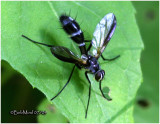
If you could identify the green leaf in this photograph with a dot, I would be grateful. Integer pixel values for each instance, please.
(52, 114)
(39, 21)
(148, 20)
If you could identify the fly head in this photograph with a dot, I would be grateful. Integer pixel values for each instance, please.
(99, 75)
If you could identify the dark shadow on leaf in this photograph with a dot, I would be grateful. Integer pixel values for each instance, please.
(46, 71)
(78, 85)
(49, 38)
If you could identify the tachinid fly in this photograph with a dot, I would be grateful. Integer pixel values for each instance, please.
(89, 57)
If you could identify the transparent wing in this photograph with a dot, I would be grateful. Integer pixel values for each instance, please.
(102, 34)
(66, 55)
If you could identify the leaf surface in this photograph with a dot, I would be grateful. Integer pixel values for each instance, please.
(50, 113)
(39, 21)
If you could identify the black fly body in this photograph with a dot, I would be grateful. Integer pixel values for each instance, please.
(89, 57)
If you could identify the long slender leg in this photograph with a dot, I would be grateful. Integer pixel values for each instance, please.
(89, 92)
(110, 59)
(89, 47)
(65, 84)
(102, 92)
(37, 42)
(87, 40)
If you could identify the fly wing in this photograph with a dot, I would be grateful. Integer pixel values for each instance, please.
(102, 34)
(66, 55)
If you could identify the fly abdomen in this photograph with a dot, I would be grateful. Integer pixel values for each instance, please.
(69, 25)
(73, 29)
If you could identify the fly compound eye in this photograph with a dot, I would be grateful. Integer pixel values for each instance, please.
(103, 72)
(99, 75)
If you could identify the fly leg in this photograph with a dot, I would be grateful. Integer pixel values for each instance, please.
(37, 42)
(87, 40)
(109, 99)
(86, 74)
(65, 84)
(110, 59)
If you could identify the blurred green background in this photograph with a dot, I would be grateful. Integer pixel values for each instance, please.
(17, 92)
(147, 107)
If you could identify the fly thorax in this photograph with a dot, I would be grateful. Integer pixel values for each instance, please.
(84, 57)
(93, 64)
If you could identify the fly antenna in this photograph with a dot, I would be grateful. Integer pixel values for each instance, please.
(37, 42)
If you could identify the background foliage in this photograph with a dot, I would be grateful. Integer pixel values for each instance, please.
(148, 95)
(35, 96)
